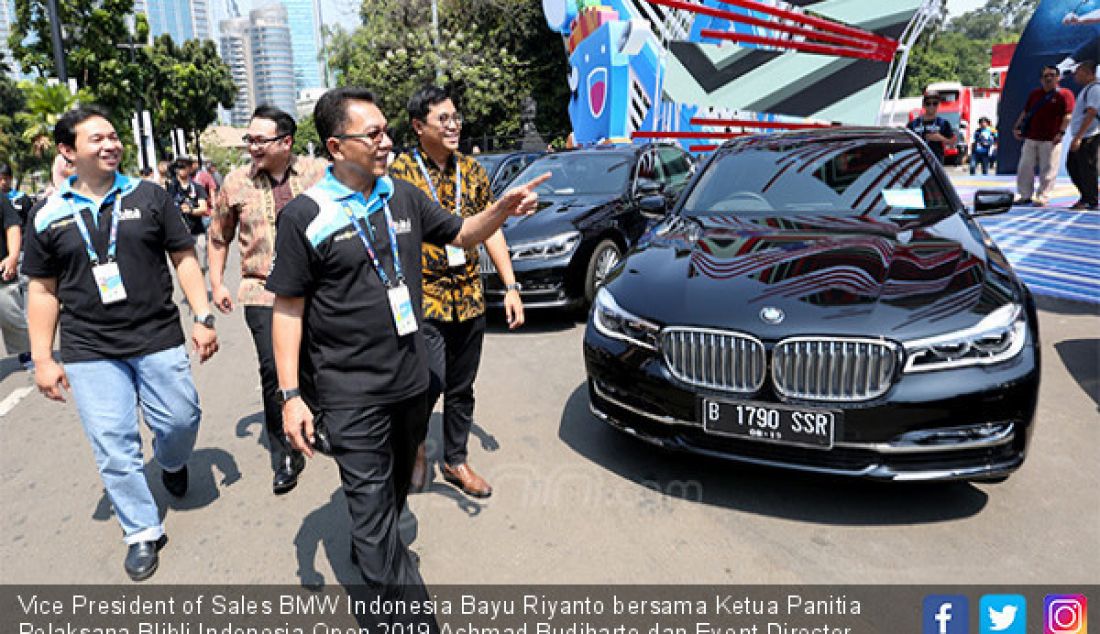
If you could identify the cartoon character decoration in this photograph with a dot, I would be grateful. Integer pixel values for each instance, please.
(690, 69)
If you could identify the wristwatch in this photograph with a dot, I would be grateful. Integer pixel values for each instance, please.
(206, 320)
(286, 395)
(514, 286)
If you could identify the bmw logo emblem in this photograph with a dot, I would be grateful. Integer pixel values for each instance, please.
(772, 315)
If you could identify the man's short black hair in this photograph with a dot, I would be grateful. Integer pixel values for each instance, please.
(1088, 64)
(284, 123)
(146, 172)
(5, 170)
(1049, 67)
(65, 130)
(986, 119)
(423, 100)
(330, 115)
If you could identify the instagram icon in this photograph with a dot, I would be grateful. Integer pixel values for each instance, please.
(1065, 614)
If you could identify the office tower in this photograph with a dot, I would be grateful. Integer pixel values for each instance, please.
(7, 17)
(182, 19)
(304, 17)
(258, 52)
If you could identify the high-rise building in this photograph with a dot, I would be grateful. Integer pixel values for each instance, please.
(182, 19)
(272, 57)
(7, 17)
(305, 39)
(258, 52)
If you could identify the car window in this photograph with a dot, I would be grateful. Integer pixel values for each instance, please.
(675, 167)
(847, 177)
(583, 173)
(489, 162)
(507, 172)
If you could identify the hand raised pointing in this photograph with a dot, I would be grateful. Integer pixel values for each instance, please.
(522, 200)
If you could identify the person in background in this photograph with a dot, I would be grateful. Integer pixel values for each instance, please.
(934, 129)
(984, 146)
(1040, 127)
(192, 201)
(1084, 134)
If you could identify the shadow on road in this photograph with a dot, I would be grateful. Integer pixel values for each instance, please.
(536, 321)
(329, 526)
(1066, 306)
(1082, 358)
(760, 490)
(433, 450)
(208, 470)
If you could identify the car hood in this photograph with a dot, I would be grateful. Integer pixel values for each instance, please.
(840, 276)
(555, 215)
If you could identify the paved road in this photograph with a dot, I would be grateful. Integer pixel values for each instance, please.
(574, 502)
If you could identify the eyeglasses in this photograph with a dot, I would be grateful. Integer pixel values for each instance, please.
(446, 118)
(260, 141)
(374, 136)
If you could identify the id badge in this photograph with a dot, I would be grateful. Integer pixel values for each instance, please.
(455, 256)
(109, 281)
(401, 307)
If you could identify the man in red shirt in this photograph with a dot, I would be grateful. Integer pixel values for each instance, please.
(1041, 126)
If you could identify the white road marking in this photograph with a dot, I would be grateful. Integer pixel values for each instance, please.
(9, 402)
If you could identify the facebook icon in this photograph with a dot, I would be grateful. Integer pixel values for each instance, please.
(946, 614)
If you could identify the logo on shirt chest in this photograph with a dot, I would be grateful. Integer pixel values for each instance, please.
(402, 226)
(129, 214)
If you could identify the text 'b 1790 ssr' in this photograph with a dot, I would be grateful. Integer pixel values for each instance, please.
(822, 301)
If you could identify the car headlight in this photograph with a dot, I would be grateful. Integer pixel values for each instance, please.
(996, 338)
(561, 244)
(614, 322)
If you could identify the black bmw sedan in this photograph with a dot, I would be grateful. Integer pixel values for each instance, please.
(822, 301)
(596, 205)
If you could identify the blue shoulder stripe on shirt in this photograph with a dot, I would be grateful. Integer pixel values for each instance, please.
(330, 217)
(55, 208)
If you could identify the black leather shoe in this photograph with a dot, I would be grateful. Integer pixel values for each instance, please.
(286, 473)
(141, 559)
(175, 483)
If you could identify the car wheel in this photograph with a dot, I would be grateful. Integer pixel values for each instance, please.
(604, 258)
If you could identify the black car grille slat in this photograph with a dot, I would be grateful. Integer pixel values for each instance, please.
(714, 360)
(833, 369)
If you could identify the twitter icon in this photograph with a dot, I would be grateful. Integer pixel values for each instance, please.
(1002, 614)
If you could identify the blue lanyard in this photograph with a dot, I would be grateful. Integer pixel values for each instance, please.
(370, 249)
(431, 187)
(112, 244)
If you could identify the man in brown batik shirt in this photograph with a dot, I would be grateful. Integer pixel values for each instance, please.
(251, 198)
(454, 303)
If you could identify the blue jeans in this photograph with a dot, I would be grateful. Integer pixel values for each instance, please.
(978, 158)
(107, 393)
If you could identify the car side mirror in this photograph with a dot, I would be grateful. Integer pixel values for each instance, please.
(989, 202)
(647, 187)
(653, 205)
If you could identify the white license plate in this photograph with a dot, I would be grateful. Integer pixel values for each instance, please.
(769, 422)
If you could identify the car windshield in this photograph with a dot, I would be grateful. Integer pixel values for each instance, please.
(845, 177)
(490, 161)
(584, 173)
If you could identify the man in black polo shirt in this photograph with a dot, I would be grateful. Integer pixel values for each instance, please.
(13, 322)
(347, 278)
(95, 253)
(191, 198)
(935, 130)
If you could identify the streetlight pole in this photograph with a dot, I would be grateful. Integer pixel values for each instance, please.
(435, 38)
(58, 42)
(130, 26)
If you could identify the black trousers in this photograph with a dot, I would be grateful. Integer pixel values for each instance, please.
(454, 354)
(258, 319)
(1082, 169)
(375, 448)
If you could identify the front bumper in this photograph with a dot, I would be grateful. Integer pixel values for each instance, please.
(972, 423)
(546, 283)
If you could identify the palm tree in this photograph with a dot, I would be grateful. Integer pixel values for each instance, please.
(45, 105)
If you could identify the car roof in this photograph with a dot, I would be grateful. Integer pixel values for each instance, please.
(835, 134)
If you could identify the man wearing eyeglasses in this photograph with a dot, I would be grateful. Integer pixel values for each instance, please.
(251, 198)
(935, 130)
(1041, 126)
(347, 280)
(454, 303)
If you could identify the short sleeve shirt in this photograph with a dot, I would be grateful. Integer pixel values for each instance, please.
(191, 194)
(9, 217)
(355, 355)
(1089, 97)
(22, 203)
(451, 293)
(1046, 121)
(150, 225)
(939, 124)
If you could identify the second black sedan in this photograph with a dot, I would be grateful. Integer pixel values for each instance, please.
(596, 205)
(822, 301)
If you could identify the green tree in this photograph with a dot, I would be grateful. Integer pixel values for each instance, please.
(44, 106)
(186, 85)
(92, 28)
(490, 55)
(307, 134)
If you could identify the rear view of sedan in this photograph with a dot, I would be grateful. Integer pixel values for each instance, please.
(822, 301)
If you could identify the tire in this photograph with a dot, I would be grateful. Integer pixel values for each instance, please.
(604, 258)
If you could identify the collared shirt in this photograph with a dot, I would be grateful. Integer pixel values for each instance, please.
(1047, 113)
(1089, 97)
(922, 127)
(249, 199)
(450, 293)
(22, 203)
(150, 225)
(354, 356)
